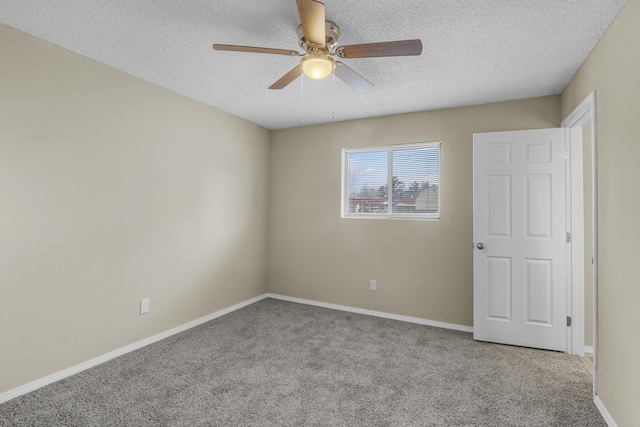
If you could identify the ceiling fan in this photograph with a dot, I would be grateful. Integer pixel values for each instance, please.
(319, 38)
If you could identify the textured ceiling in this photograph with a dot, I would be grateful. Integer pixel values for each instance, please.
(475, 51)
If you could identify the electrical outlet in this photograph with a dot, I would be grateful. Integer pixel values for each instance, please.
(373, 286)
(144, 306)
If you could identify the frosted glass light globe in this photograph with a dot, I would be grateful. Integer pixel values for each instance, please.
(317, 67)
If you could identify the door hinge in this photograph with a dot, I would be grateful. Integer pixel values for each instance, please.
(567, 155)
(568, 237)
(568, 321)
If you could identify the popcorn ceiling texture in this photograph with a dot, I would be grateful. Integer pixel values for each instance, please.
(475, 51)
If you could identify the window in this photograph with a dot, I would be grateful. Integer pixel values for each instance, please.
(412, 171)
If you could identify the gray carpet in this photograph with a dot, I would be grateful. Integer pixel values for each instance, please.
(286, 364)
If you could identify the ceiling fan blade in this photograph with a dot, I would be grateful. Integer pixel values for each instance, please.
(374, 50)
(312, 18)
(353, 79)
(252, 49)
(287, 78)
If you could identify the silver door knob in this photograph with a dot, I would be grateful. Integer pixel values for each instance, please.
(480, 246)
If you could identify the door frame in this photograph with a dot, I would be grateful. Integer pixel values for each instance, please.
(573, 123)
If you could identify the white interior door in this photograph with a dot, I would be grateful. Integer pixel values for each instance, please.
(520, 240)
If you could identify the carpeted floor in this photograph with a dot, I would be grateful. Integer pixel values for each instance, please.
(286, 364)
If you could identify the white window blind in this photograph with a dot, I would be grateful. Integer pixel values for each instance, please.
(398, 181)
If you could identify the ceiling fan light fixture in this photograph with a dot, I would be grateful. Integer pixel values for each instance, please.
(319, 38)
(317, 66)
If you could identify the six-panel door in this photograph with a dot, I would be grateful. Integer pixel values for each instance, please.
(519, 221)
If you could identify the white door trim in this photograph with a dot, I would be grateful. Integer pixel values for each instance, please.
(584, 113)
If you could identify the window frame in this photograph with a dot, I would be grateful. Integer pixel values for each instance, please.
(389, 149)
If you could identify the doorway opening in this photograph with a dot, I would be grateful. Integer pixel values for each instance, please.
(582, 293)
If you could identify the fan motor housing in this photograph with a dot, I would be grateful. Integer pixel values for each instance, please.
(332, 34)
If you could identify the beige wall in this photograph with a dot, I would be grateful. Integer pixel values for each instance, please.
(113, 190)
(423, 268)
(612, 70)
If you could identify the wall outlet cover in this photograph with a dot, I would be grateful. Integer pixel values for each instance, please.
(144, 306)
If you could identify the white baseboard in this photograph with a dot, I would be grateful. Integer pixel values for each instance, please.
(588, 349)
(375, 313)
(34, 385)
(603, 411)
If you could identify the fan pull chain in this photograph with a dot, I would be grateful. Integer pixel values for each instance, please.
(333, 95)
(301, 99)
